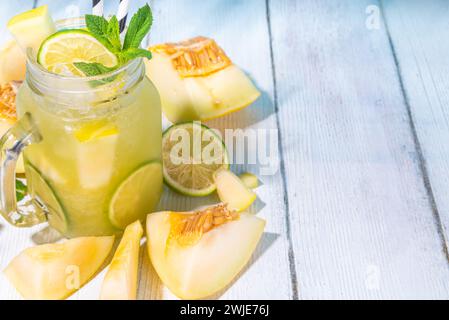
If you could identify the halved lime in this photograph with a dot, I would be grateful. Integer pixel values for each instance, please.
(61, 50)
(137, 195)
(44, 196)
(191, 154)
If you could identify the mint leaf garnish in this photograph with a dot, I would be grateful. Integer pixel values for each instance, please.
(133, 53)
(98, 27)
(108, 34)
(138, 27)
(113, 33)
(21, 190)
(92, 69)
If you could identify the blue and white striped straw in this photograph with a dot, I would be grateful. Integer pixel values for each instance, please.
(122, 14)
(97, 7)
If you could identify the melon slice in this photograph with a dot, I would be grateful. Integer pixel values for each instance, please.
(199, 253)
(12, 63)
(233, 191)
(96, 144)
(32, 27)
(55, 271)
(249, 180)
(197, 80)
(8, 116)
(120, 282)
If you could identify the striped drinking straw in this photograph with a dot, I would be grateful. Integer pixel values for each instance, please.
(122, 14)
(97, 7)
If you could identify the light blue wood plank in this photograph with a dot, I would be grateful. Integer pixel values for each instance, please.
(361, 221)
(420, 37)
(9, 9)
(67, 8)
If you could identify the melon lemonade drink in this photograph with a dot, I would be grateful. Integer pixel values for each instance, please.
(92, 142)
(90, 129)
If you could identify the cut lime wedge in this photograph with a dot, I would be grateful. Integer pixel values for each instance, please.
(60, 51)
(192, 153)
(45, 198)
(137, 195)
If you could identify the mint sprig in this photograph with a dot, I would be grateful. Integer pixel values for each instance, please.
(92, 69)
(21, 190)
(108, 34)
(138, 28)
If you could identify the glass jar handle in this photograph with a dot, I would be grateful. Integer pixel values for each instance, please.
(23, 133)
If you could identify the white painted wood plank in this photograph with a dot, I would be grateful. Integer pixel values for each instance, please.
(419, 32)
(67, 8)
(244, 37)
(361, 222)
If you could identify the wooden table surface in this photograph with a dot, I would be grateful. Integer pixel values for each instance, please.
(358, 92)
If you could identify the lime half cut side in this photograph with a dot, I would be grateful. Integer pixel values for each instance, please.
(43, 194)
(191, 154)
(137, 195)
(60, 51)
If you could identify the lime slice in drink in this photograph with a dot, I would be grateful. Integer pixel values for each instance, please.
(192, 153)
(137, 195)
(60, 51)
(45, 197)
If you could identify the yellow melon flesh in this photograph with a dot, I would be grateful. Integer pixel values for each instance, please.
(249, 180)
(8, 115)
(120, 282)
(31, 28)
(200, 267)
(197, 81)
(232, 191)
(55, 271)
(12, 63)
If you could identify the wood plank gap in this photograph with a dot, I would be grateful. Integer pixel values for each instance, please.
(417, 144)
(291, 254)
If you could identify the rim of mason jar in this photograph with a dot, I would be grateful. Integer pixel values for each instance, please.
(72, 23)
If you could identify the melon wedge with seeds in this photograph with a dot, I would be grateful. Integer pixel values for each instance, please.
(8, 115)
(12, 63)
(120, 282)
(198, 81)
(232, 191)
(197, 254)
(55, 271)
